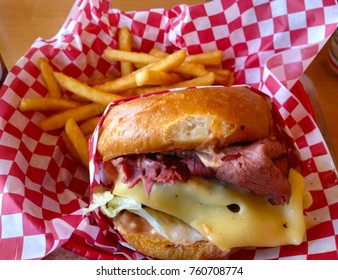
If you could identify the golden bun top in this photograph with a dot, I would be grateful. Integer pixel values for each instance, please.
(185, 120)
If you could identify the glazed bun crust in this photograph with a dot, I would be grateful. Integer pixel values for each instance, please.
(185, 120)
(159, 248)
(141, 235)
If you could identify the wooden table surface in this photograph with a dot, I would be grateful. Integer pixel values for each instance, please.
(23, 21)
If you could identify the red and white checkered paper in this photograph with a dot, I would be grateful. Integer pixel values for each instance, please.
(267, 44)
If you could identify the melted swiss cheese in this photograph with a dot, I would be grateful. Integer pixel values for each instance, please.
(203, 204)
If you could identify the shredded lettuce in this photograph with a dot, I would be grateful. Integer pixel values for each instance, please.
(100, 197)
(171, 228)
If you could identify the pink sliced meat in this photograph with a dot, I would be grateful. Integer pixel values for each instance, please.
(260, 167)
(150, 169)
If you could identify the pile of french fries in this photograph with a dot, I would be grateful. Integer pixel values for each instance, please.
(78, 114)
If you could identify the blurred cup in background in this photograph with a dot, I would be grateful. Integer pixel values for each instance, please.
(3, 71)
(333, 52)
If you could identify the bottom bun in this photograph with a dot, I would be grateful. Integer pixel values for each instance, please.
(156, 246)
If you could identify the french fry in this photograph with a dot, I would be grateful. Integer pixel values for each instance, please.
(85, 91)
(186, 69)
(215, 57)
(221, 72)
(88, 126)
(81, 113)
(70, 147)
(208, 58)
(88, 136)
(231, 80)
(128, 92)
(222, 80)
(133, 57)
(78, 140)
(189, 70)
(158, 53)
(199, 81)
(77, 98)
(222, 76)
(153, 52)
(129, 82)
(206, 80)
(124, 42)
(101, 81)
(47, 104)
(169, 62)
(49, 79)
(152, 77)
(120, 84)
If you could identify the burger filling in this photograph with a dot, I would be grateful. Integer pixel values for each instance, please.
(235, 196)
(260, 167)
(211, 210)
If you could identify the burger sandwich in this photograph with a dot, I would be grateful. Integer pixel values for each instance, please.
(198, 174)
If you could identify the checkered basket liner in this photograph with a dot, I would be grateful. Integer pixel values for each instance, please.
(267, 44)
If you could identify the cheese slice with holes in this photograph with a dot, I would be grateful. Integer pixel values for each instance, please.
(225, 214)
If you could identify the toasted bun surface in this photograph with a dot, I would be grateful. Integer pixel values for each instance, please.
(165, 250)
(185, 120)
(158, 247)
